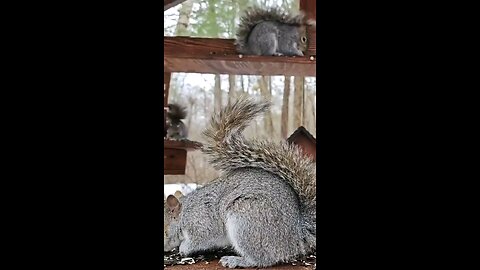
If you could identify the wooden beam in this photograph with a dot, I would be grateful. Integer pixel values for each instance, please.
(219, 56)
(166, 87)
(171, 3)
(185, 145)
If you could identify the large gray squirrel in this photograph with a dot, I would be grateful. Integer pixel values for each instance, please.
(272, 31)
(262, 204)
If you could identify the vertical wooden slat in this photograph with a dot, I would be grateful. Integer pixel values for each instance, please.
(166, 87)
(310, 9)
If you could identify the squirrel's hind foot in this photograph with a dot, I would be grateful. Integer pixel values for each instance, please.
(235, 261)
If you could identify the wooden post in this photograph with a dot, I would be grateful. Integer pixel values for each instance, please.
(166, 87)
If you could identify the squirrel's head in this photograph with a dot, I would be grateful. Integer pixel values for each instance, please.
(302, 38)
(171, 216)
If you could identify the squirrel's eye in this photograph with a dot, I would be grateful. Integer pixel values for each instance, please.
(304, 39)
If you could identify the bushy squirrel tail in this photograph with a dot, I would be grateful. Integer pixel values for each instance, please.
(176, 112)
(255, 15)
(229, 150)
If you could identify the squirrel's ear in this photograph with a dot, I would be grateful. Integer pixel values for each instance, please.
(173, 203)
(178, 194)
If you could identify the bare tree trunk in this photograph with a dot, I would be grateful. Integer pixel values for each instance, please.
(299, 83)
(309, 110)
(191, 102)
(205, 103)
(266, 93)
(314, 108)
(184, 18)
(243, 84)
(232, 88)
(285, 102)
(269, 113)
(217, 93)
(296, 4)
(192, 163)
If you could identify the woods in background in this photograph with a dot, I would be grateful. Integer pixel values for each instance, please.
(293, 98)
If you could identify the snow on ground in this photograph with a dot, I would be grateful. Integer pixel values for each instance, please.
(169, 189)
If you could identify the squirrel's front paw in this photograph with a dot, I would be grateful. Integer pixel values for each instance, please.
(300, 53)
(234, 261)
(184, 249)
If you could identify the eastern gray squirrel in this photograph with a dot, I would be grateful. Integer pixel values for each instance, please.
(271, 31)
(176, 129)
(262, 205)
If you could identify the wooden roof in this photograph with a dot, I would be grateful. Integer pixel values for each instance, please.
(305, 141)
(299, 132)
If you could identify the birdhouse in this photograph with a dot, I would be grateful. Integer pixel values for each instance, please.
(305, 140)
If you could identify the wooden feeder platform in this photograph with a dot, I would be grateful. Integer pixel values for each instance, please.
(210, 261)
(214, 265)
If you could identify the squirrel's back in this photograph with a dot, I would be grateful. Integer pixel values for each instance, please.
(228, 150)
(262, 205)
(260, 213)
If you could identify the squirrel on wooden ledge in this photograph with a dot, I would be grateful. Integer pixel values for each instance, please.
(176, 129)
(271, 31)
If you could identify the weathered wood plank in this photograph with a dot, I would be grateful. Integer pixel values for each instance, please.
(185, 145)
(166, 87)
(171, 3)
(174, 161)
(211, 55)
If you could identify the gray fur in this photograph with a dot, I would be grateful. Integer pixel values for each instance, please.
(271, 31)
(272, 38)
(262, 205)
(176, 129)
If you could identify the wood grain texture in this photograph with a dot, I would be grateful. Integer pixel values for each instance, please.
(175, 156)
(310, 9)
(307, 146)
(185, 145)
(219, 56)
(171, 3)
(174, 161)
(166, 87)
